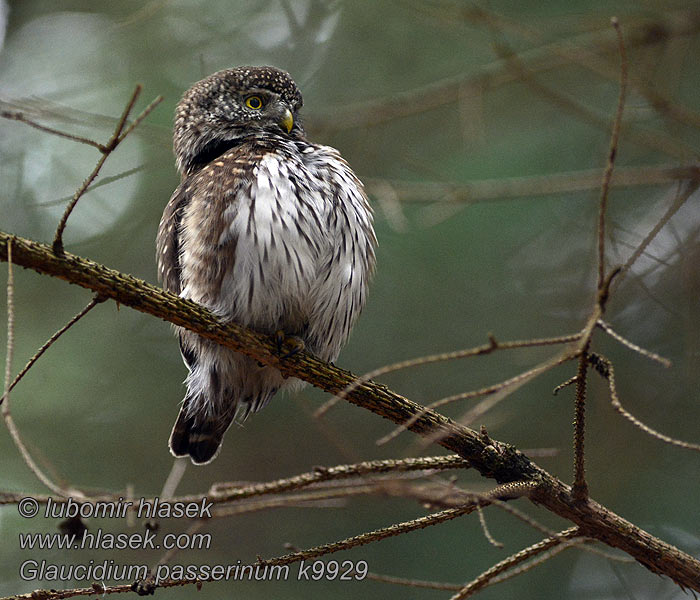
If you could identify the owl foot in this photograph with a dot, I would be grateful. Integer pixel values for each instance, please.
(288, 345)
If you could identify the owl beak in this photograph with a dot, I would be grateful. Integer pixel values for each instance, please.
(286, 120)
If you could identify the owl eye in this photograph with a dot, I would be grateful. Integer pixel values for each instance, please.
(254, 102)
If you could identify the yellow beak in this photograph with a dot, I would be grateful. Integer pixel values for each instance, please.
(287, 121)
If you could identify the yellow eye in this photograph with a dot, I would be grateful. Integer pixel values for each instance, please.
(254, 102)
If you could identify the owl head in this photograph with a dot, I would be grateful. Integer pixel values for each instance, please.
(220, 110)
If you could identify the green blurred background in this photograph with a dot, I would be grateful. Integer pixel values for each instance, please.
(421, 98)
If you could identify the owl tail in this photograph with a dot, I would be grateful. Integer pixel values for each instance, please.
(222, 387)
(199, 438)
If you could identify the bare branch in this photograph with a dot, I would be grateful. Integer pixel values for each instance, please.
(564, 384)
(10, 346)
(653, 139)
(534, 185)
(580, 486)
(541, 558)
(492, 75)
(102, 182)
(486, 577)
(227, 492)
(19, 116)
(174, 478)
(146, 111)
(607, 328)
(5, 408)
(580, 53)
(416, 583)
(392, 530)
(372, 536)
(114, 140)
(689, 189)
(614, 141)
(106, 149)
(445, 356)
(485, 528)
(604, 367)
(92, 304)
(505, 387)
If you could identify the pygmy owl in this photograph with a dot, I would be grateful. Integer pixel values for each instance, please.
(265, 229)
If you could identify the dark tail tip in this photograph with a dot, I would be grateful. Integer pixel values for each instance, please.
(198, 440)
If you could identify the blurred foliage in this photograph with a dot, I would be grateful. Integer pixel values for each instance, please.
(439, 92)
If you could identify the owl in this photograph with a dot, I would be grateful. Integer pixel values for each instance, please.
(266, 229)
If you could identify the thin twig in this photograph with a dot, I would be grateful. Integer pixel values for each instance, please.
(226, 493)
(114, 140)
(106, 150)
(579, 542)
(582, 55)
(564, 384)
(680, 200)
(5, 409)
(58, 238)
(539, 59)
(392, 530)
(605, 368)
(19, 116)
(505, 389)
(522, 516)
(673, 147)
(614, 141)
(485, 528)
(508, 385)
(541, 558)
(10, 346)
(92, 304)
(255, 497)
(313, 498)
(102, 182)
(513, 490)
(174, 477)
(146, 111)
(607, 328)
(491, 346)
(580, 488)
(415, 583)
(372, 536)
(502, 188)
(487, 576)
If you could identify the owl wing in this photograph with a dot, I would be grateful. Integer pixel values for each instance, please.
(344, 272)
(167, 241)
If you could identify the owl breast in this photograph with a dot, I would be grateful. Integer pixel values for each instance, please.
(291, 244)
(274, 231)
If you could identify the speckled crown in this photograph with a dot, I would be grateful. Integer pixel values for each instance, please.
(269, 78)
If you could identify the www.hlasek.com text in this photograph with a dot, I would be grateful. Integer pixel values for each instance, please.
(101, 540)
(108, 570)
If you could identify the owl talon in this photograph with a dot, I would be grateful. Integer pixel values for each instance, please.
(288, 345)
